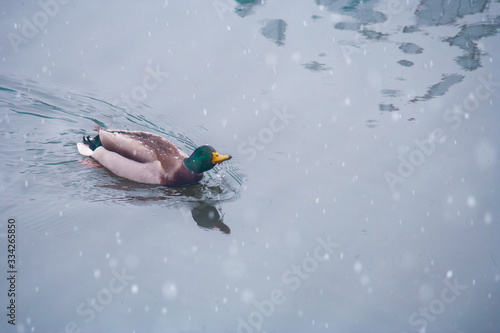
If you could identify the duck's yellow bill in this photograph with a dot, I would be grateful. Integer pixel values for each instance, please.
(219, 158)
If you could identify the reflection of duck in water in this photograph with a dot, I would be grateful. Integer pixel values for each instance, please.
(149, 158)
(208, 217)
(205, 212)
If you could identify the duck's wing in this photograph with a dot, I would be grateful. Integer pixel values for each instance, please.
(148, 173)
(138, 146)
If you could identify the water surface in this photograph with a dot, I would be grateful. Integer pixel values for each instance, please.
(363, 191)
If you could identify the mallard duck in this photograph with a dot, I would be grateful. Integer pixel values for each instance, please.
(148, 158)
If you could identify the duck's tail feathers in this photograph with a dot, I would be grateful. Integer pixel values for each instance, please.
(92, 143)
(84, 149)
(87, 147)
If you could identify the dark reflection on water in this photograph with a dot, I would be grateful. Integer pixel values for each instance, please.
(428, 13)
(366, 14)
(440, 88)
(274, 30)
(411, 48)
(444, 12)
(246, 7)
(362, 11)
(387, 108)
(39, 131)
(373, 35)
(315, 66)
(405, 63)
(207, 216)
(440, 12)
(466, 40)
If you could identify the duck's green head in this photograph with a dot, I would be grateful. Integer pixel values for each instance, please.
(203, 159)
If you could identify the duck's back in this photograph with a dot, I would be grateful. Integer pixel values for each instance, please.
(159, 159)
(139, 146)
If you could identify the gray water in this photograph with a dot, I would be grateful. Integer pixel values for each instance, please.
(363, 193)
